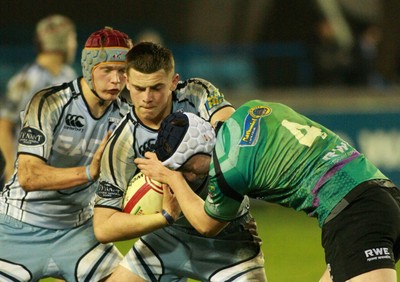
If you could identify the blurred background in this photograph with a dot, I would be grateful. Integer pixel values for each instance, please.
(237, 43)
(336, 61)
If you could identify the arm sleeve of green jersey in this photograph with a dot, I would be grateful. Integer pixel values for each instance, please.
(221, 206)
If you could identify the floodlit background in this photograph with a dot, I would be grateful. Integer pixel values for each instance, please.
(337, 61)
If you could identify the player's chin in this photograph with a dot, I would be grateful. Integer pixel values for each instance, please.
(147, 113)
(111, 96)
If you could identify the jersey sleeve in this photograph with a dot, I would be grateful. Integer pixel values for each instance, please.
(220, 203)
(214, 100)
(40, 118)
(226, 190)
(205, 99)
(117, 167)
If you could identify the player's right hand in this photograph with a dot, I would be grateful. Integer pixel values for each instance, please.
(95, 164)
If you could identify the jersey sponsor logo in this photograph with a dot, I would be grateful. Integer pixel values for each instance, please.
(251, 125)
(30, 136)
(109, 191)
(214, 99)
(148, 146)
(72, 146)
(260, 111)
(377, 254)
(75, 122)
(211, 192)
(339, 150)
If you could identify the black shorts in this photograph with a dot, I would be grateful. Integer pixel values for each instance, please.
(365, 235)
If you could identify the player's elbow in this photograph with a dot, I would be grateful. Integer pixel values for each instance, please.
(101, 228)
(26, 181)
(207, 232)
(209, 227)
(100, 235)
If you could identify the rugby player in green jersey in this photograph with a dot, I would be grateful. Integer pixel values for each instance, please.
(270, 152)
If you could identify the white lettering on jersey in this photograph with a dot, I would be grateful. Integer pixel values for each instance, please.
(377, 253)
(343, 147)
(66, 145)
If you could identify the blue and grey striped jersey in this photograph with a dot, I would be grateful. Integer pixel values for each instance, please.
(131, 139)
(59, 128)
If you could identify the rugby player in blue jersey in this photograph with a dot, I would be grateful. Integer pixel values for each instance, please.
(46, 207)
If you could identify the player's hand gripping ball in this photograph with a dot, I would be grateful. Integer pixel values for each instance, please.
(143, 196)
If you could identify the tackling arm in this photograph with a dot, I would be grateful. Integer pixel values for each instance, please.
(191, 204)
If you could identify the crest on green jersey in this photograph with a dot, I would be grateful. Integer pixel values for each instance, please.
(251, 125)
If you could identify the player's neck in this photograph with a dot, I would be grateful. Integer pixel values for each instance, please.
(52, 61)
(97, 107)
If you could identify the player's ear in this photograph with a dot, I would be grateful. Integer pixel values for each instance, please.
(175, 80)
(127, 80)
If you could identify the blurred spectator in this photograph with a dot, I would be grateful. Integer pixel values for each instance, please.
(150, 35)
(332, 63)
(389, 48)
(366, 54)
(55, 39)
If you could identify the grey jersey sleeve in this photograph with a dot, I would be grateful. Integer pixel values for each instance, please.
(39, 121)
(200, 97)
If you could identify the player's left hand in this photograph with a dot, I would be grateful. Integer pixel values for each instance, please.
(153, 168)
(170, 203)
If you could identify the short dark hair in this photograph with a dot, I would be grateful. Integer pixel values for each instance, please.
(148, 57)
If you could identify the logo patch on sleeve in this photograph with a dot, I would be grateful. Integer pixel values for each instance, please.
(109, 191)
(30, 136)
(251, 127)
(214, 99)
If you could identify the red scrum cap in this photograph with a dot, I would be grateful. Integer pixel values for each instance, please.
(105, 45)
(108, 37)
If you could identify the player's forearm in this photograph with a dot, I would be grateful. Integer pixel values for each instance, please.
(193, 206)
(44, 177)
(111, 226)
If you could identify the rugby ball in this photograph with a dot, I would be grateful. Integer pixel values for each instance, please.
(143, 196)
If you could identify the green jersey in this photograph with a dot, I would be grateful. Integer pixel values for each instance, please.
(270, 152)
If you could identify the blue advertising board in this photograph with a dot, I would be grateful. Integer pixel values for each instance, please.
(376, 135)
